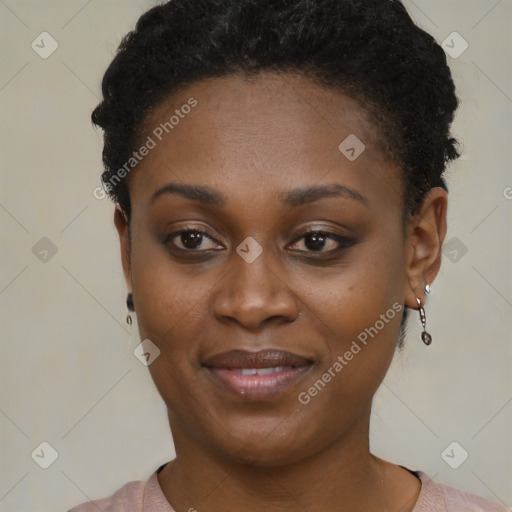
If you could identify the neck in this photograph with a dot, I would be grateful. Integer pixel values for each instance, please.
(344, 473)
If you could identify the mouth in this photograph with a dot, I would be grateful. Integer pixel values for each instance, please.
(257, 376)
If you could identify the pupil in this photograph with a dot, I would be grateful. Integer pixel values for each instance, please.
(317, 241)
(190, 240)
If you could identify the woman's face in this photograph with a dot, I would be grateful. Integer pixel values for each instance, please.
(272, 341)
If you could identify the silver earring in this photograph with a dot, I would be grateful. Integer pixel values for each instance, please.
(425, 336)
(427, 289)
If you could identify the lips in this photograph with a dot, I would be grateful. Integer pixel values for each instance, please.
(261, 359)
(257, 375)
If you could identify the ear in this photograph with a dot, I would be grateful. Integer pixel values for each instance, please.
(123, 230)
(426, 232)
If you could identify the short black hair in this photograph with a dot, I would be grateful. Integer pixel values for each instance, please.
(370, 50)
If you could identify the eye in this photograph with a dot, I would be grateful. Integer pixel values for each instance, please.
(191, 240)
(317, 240)
(314, 240)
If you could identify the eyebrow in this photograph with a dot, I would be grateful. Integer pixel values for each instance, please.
(301, 196)
(292, 198)
(194, 192)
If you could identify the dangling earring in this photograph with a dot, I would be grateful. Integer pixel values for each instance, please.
(425, 336)
(130, 306)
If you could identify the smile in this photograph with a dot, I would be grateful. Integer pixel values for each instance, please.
(257, 376)
(262, 371)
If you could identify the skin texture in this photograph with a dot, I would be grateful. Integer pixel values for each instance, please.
(252, 141)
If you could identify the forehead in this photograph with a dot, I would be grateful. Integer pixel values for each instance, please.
(266, 105)
(262, 133)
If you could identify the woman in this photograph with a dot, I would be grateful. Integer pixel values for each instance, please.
(277, 169)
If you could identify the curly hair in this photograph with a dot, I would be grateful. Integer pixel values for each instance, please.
(369, 49)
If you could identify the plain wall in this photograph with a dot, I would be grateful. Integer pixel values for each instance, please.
(68, 374)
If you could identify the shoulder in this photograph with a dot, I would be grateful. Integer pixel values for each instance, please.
(129, 497)
(134, 496)
(436, 497)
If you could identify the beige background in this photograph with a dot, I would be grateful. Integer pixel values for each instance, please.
(68, 373)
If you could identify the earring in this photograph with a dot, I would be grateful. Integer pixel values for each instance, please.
(425, 336)
(130, 306)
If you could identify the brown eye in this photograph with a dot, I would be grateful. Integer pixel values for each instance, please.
(191, 240)
(316, 241)
(322, 241)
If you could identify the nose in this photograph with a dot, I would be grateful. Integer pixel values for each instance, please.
(255, 294)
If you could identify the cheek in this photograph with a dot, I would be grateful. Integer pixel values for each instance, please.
(349, 299)
(168, 299)
(162, 288)
(358, 310)
(170, 307)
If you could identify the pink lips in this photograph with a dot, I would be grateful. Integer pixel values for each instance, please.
(257, 375)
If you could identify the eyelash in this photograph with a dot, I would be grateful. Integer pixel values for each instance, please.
(344, 242)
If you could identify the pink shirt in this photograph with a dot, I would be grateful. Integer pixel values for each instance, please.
(138, 496)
